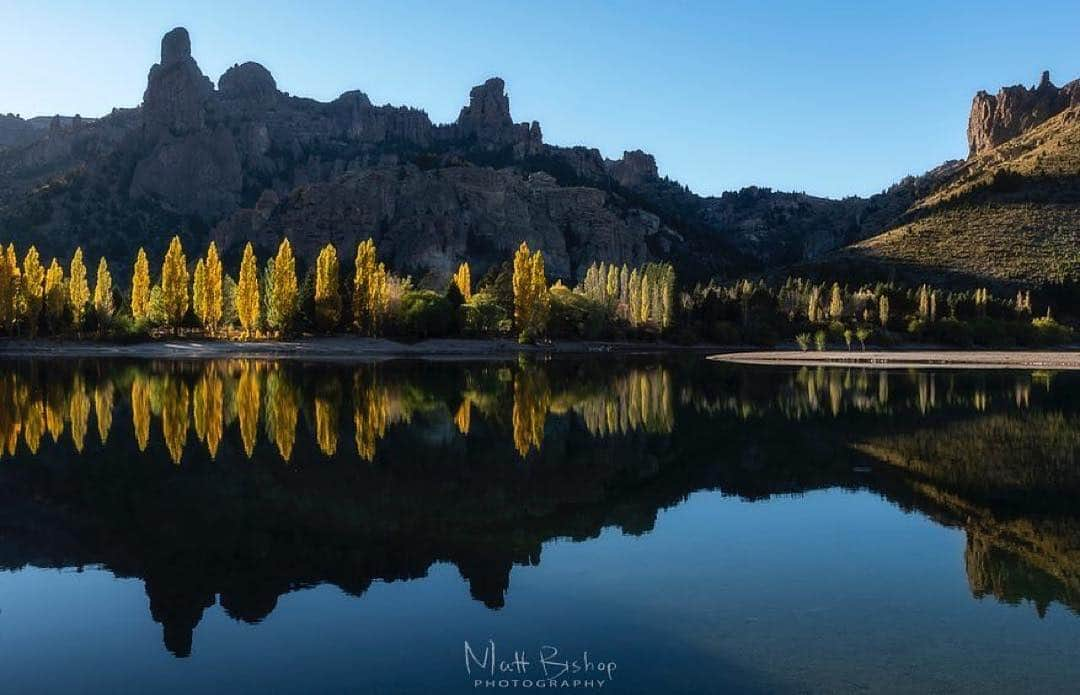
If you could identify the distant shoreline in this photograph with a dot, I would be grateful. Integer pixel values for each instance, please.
(334, 348)
(906, 359)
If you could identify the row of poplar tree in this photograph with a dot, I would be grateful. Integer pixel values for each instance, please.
(55, 300)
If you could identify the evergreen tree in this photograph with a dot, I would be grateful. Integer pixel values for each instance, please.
(286, 289)
(174, 284)
(247, 292)
(140, 287)
(327, 289)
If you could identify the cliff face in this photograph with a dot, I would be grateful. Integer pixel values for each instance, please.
(1015, 110)
(239, 161)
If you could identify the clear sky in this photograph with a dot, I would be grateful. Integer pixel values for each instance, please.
(830, 98)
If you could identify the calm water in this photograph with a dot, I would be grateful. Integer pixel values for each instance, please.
(694, 527)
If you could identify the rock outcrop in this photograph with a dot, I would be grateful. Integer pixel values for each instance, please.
(176, 89)
(427, 222)
(1015, 110)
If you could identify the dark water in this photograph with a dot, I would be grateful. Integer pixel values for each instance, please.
(693, 527)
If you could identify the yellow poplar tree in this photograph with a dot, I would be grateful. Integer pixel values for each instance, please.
(463, 280)
(198, 291)
(78, 289)
(836, 303)
(531, 300)
(140, 287)
(327, 289)
(103, 299)
(174, 283)
(371, 288)
(33, 289)
(55, 297)
(286, 290)
(7, 291)
(213, 295)
(247, 291)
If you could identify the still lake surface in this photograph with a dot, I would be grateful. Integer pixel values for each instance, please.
(258, 526)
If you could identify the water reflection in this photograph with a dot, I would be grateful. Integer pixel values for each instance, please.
(238, 481)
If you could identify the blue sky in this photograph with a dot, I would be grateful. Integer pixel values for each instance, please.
(830, 98)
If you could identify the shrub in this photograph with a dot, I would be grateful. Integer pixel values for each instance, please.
(483, 315)
(575, 316)
(820, 340)
(425, 314)
(803, 339)
(1050, 332)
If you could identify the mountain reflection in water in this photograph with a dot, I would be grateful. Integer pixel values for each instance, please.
(238, 481)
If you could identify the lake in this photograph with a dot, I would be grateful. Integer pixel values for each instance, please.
(635, 525)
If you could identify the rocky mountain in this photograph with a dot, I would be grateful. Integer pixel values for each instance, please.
(1015, 110)
(241, 160)
(1008, 215)
(244, 160)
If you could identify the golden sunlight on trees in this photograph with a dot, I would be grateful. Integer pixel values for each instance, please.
(327, 289)
(836, 303)
(247, 292)
(175, 408)
(79, 412)
(103, 406)
(208, 408)
(198, 291)
(78, 290)
(463, 416)
(248, 399)
(463, 280)
(140, 409)
(213, 293)
(532, 400)
(282, 412)
(371, 412)
(33, 277)
(9, 290)
(285, 295)
(327, 409)
(140, 287)
(174, 284)
(371, 290)
(103, 295)
(531, 301)
(55, 296)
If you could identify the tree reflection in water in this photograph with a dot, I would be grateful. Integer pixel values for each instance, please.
(480, 464)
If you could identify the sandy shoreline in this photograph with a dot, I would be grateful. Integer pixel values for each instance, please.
(907, 359)
(338, 348)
